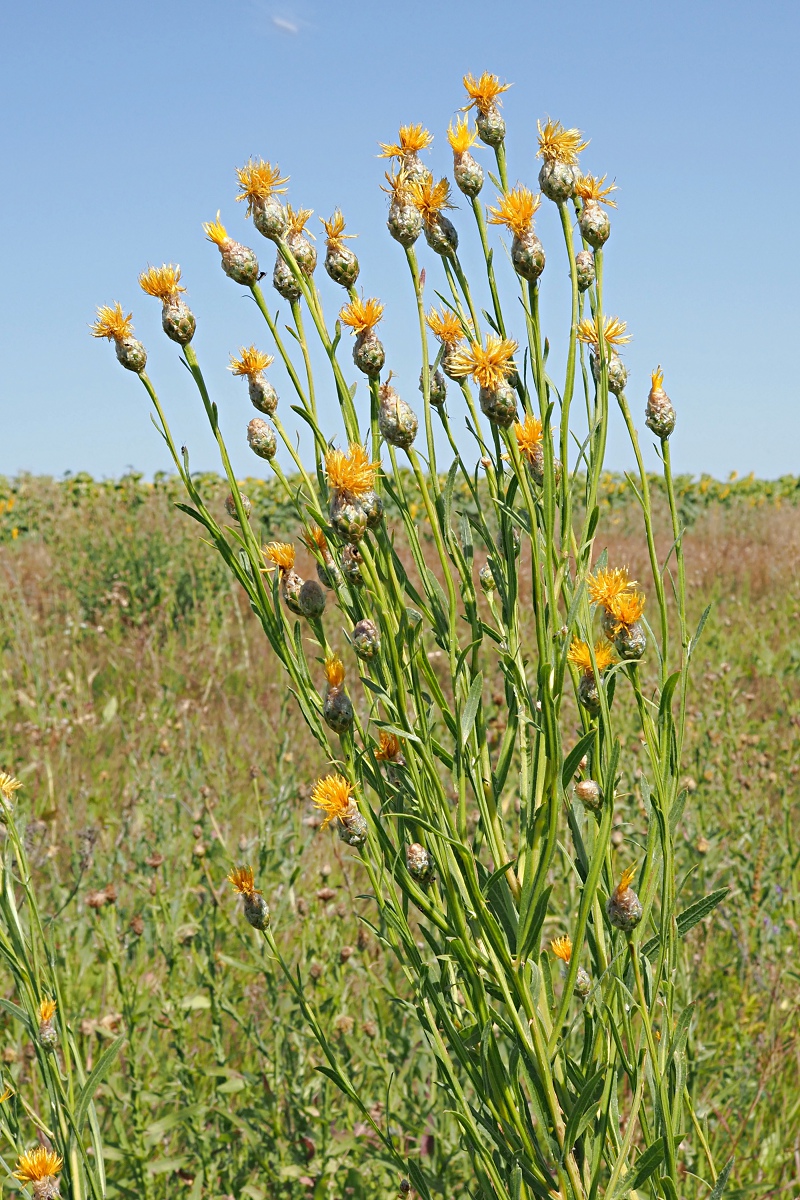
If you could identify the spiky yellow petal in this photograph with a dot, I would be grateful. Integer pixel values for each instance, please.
(334, 671)
(216, 232)
(297, 221)
(352, 472)
(445, 325)
(608, 583)
(361, 315)
(8, 785)
(334, 230)
(589, 187)
(559, 144)
(488, 365)
(483, 92)
(47, 1009)
(7, 1094)
(657, 379)
(251, 362)
(36, 1164)
(334, 796)
(161, 282)
(627, 609)
(112, 323)
(460, 136)
(626, 880)
(430, 198)
(581, 656)
(314, 538)
(243, 882)
(398, 186)
(410, 140)
(259, 181)
(516, 210)
(388, 746)
(613, 331)
(280, 553)
(562, 948)
(529, 436)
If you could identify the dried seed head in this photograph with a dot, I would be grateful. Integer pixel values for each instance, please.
(366, 638)
(585, 269)
(261, 438)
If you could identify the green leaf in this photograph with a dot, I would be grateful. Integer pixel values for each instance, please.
(722, 1180)
(575, 755)
(666, 696)
(99, 1072)
(582, 1109)
(646, 1164)
(16, 1011)
(701, 624)
(695, 913)
(471, 708)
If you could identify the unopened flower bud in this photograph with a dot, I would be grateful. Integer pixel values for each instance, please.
(583, 983)
(420, 864)
(623, 906)
(594, 224)
(372, 505)
(617, 371)
(351, 566)
(369, 354)
(659, 414)
(366, 639)
(589, 793)
(337, 710)
(589, 694)
(261, 438)
(630, 641)
(230, 505)
(584, 269)
(437, 387)
(397, 421)
(404, 222)
(441, 235)
(284, 281)
(311, 600)
(486, 577)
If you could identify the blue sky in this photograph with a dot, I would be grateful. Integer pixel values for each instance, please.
(123, 125)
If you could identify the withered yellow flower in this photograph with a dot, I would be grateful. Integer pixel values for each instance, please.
(297, 221)
(216, 232)
(112, 323)
(361, 315)
(258, 181)
(47, 1009)
(251, 362)
(388, 746)
(516, 210)
(8, 785)
(445, 326)
(411, 139)
(460, 136)
(529, 436)
(352, 472)
(280, 553)
(334, 230)
(483, 92)
(557, 144)
(613, 331)
(398, 182)
(562, 948)
(608, 583)
(429, 198)
(581, 656)
(627, 609)
(589, 187)
(334, 796)
(334, 671)
(314, 537)
(241, 878)
(161, 282)
(489, 365)
(36, 1164)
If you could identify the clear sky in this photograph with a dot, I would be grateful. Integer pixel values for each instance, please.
(122, 126)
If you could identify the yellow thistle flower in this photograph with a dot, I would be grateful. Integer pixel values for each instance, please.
(252, 361)
(161, 282)
(483, 92)
(430, 198)
(241, 879)
(47, 1009)
(445, 326)
(625, 881)
(488, 365)
(411, 139)
(657, 379)
(352, 472)
(613, 331)
(334, 671)
(562, 948)
(8, 785)
(529, 436)
(36, 1164)
(334, 230)
(516, 210)
(627, 609)
(589, 187)
(112, 323)
(388, 746)
(280, 553)
(316, 538)
(460, 136)
(258, 181)
(557, 144)
(297, 221)
(361, 315)
(216, 232)
(608, 583)
(334, 796)
(580, 655)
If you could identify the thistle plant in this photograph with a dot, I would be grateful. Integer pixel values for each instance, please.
(477, 853)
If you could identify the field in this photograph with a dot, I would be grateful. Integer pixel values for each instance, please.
(158, 746)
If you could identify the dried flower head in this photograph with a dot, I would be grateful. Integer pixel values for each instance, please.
(589, 187)
(627, 609)
(112, 323)
(334, 671)
(516, 210)
(36, 1164)
(430, 198)
(361, 315)
(557, 144)
(47, 1009)
(445, 325)
(242, 881)
(352, 472)
(608, 583)
(581, 656)
(334, 796)
(562, 948)
(411, 139)
(8, 785)
(488, 365)
(280, 553)
(388, 746)
(334, 230)
(259, 181)
(613, 331)
(398, 182)
(529, 436)
(252, 361)
(216, 232)
(483, 92)
(297, 221)
(460, 136)
(161, 282)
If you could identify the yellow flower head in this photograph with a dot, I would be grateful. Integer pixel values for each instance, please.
(242, 881)
(516, 210)
(47, 1009)
(529, 436)
(315, 538)
(259, 181)
(334, 230)
(559, 144)
(398, 186)
(252, 361)
(625, 881)
(388, 746)
(112, 323)
(280, 553)
(460, 136)
(352, 472)
(297, 221)
(216, 232)
(8, 785)
(613, 331)
(589, 187)
(562, 948)
(411, 139)
(657, 380)
(627, 609)
(488, 365)
(361, 315)
(334, 671)
(36, 1164)
(430, 198)
(608, 583)
(161, 282)
(483, 92)
(334, 796)
(580, 654)
(445, 326)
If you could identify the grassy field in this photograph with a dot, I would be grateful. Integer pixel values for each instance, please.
(157, 746)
